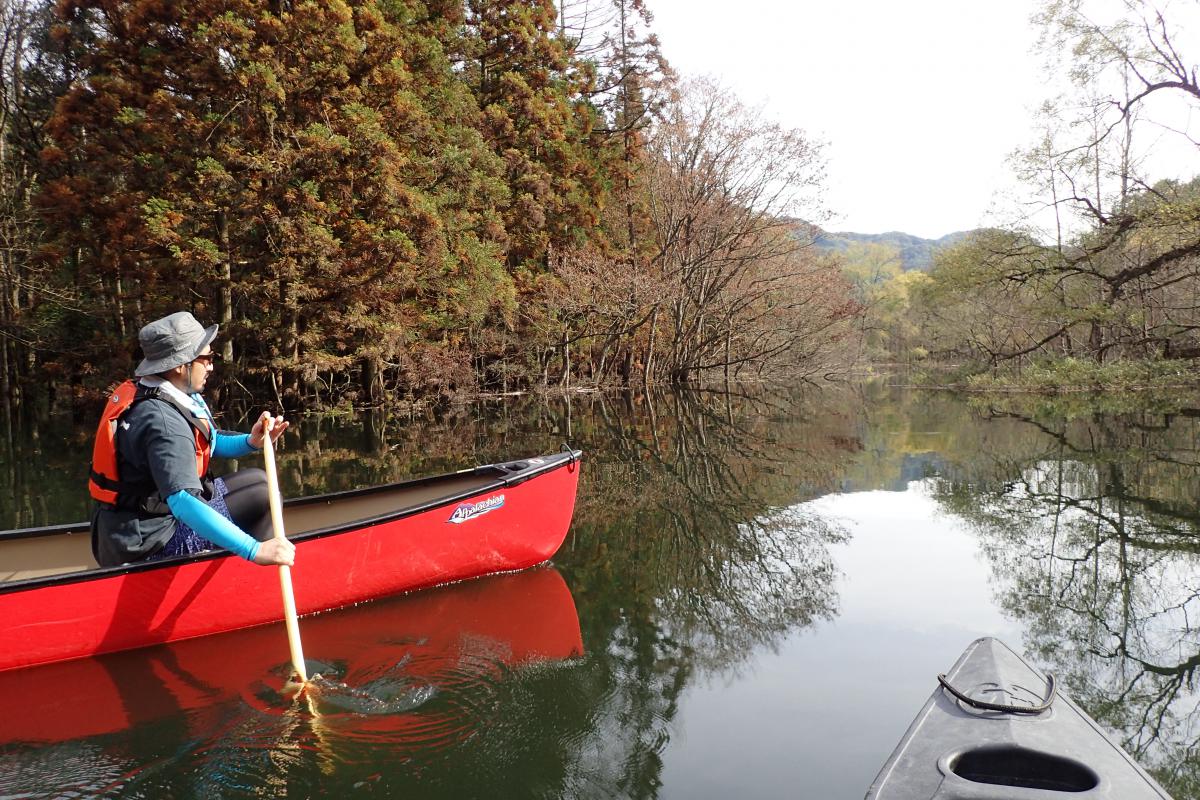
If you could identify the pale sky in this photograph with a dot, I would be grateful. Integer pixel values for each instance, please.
(920, 101)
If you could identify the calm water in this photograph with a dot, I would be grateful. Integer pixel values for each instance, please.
(754, 600)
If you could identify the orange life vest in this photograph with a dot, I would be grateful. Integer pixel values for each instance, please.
(105, 482)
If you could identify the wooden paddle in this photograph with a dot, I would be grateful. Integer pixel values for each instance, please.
(285, 572)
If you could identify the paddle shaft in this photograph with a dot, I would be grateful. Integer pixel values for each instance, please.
(285, 572)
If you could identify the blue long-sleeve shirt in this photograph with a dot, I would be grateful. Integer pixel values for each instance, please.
(232, 445)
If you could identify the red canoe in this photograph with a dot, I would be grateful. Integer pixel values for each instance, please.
(56, 603)
(442, 638)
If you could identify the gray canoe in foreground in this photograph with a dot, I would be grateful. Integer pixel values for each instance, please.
(956, 750)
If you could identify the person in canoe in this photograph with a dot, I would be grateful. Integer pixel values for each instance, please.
(154, 495)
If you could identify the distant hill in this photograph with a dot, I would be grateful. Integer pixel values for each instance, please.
(915, 252)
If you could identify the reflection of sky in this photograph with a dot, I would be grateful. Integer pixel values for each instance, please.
(908, 566)
(1165, 592)
(1139, 594)
(819, 716)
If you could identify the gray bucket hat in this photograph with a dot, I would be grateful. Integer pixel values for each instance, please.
(171, 341)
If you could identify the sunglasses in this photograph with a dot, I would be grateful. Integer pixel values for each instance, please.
(207, 358)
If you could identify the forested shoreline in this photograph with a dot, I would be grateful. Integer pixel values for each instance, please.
(396, 200)
(1093, 282)
(405, 201)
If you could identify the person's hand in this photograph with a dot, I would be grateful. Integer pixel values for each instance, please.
(257, 432)
(275, 551)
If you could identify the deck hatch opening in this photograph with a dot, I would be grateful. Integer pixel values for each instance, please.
(1030, 769)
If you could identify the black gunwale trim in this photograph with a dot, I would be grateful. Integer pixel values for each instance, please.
(48, 530)
(550, 463)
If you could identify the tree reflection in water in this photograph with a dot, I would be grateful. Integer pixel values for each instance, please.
(690, 555)
(1092, 527)
(687, 554)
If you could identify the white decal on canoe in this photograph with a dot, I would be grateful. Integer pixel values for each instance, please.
(466, 511)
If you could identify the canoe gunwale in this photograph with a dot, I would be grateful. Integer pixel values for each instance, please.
(46, 530)
(508, 478)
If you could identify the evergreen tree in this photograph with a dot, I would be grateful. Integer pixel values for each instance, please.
(313, 169)
(534, 117)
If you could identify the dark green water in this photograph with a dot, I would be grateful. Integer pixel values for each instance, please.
(754, 600)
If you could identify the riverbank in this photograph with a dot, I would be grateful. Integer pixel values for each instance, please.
(1059, 376)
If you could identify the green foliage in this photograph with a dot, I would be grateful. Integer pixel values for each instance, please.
(868, 265)
(1113, 280)
(1084, 404)
(1073, 374)
(885, 292)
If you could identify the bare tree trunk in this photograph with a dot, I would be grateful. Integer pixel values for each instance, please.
(565, 375)
(371, 380)
(290, 345)
(225, 300)
(728, 338)
(118, 298)
(6, 387)
(650, 347)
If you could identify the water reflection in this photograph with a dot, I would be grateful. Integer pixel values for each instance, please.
(416, 673)
(689, 552)
(693, 552)
(1091, 526)
(695, 502)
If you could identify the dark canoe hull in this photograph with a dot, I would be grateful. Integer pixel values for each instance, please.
(351, 547)
(440, 638)
(955, 752)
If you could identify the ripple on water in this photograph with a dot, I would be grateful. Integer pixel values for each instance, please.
(412, 681)
(423, 701)
(70, 769)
